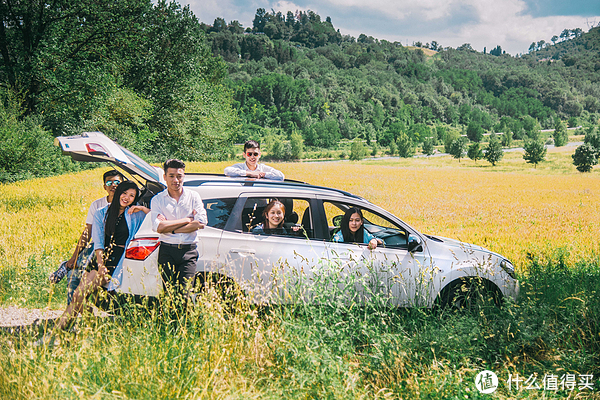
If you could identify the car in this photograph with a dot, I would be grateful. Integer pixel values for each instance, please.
(412, 268)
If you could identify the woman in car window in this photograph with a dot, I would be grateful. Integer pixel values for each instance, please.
(353, 231)
(114, 227)
(273, 216)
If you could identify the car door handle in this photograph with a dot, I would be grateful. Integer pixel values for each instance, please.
(243, 251)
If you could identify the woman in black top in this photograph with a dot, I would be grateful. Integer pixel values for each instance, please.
(113, 228)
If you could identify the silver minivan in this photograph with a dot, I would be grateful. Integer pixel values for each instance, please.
(409, 269)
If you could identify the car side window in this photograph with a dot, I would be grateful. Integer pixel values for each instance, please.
(296, 221)
(218, 211)
(377, 225)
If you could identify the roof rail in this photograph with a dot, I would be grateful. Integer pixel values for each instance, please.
(265, 182)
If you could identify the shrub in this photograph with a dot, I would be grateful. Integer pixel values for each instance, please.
(405, 145)
(297, 146)
(458, 147)
(535, 152)
(27, 150)
(560, 135)
(358, 151)
(585, 158)
(475, 153)
(428, 148)
(493, 151)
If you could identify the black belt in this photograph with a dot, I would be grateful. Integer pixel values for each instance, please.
(181, 246)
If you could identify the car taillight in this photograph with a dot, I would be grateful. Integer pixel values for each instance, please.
(95, 149)
(140, 249)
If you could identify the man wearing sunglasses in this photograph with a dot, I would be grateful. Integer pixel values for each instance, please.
(251, 168)
(111, 180)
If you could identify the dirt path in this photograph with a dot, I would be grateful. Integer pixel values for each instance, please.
(16, 316)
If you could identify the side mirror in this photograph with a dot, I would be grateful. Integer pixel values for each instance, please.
(414, 243)
(337, 220)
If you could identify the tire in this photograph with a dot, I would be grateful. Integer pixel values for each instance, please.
(471, 294)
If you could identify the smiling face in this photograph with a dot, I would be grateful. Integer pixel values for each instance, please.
(110, 185)
(252, 155)
(355, 222)
(275, 217)
(127, 197)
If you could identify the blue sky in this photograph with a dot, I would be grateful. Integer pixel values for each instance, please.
(512, 24)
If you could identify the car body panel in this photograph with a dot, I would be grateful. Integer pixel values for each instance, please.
(281, 269)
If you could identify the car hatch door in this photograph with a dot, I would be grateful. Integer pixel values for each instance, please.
(96, 147)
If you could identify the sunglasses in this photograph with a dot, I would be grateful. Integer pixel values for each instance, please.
(115, 182)
(250, 154)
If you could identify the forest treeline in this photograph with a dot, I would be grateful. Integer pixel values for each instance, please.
(295, 73)
(137, 70)
(160, 82)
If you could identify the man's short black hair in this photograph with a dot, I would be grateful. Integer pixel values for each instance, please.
(173, 163)
(251, 144)
(110, 174)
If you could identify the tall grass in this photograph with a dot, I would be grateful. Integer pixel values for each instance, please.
(545, 219)
(351, 347)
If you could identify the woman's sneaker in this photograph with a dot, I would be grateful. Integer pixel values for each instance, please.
(60, 273)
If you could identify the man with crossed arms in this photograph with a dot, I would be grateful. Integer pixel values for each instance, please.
(177, 214)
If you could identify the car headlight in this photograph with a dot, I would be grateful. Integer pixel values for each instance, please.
(508, 268)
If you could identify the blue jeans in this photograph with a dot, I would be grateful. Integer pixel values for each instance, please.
(73, 279)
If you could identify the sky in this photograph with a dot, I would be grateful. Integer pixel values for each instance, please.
(512, 24)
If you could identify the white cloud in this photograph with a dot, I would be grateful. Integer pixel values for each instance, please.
(483, 23)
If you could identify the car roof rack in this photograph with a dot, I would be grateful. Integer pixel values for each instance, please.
(222, 178)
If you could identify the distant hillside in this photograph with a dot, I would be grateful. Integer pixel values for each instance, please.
(296, 73)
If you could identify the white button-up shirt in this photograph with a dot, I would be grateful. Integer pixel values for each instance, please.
(241, 168)
(171, 209)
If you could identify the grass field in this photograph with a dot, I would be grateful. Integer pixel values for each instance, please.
(545, 219)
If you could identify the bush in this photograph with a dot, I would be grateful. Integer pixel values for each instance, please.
(560, 135)
(428, 148)
(406, 148)
(585, 158)
(358, 151)
(475, 153)
(458, 147)
(297, 146)
(493, 151)
(27, 150)
(535, 152)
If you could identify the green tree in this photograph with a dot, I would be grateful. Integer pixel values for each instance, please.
(45, 44)
(474, 132)
(475, 153)
(297, 146)
(493, 151)
(428, 148)
(358, 150)
(393, 148)
(531, 127)
(535, 151)
(406, 149)
(374, 149)
(451, 136)
(592, 137)
(507, 138)
(585, 158)
(458, 147)
(27, 149)
(560, 135)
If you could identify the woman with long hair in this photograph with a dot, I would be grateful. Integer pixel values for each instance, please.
(273, 217)
(113, 228)
(353, 231)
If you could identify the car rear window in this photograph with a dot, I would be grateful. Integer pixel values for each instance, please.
(218, 211)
